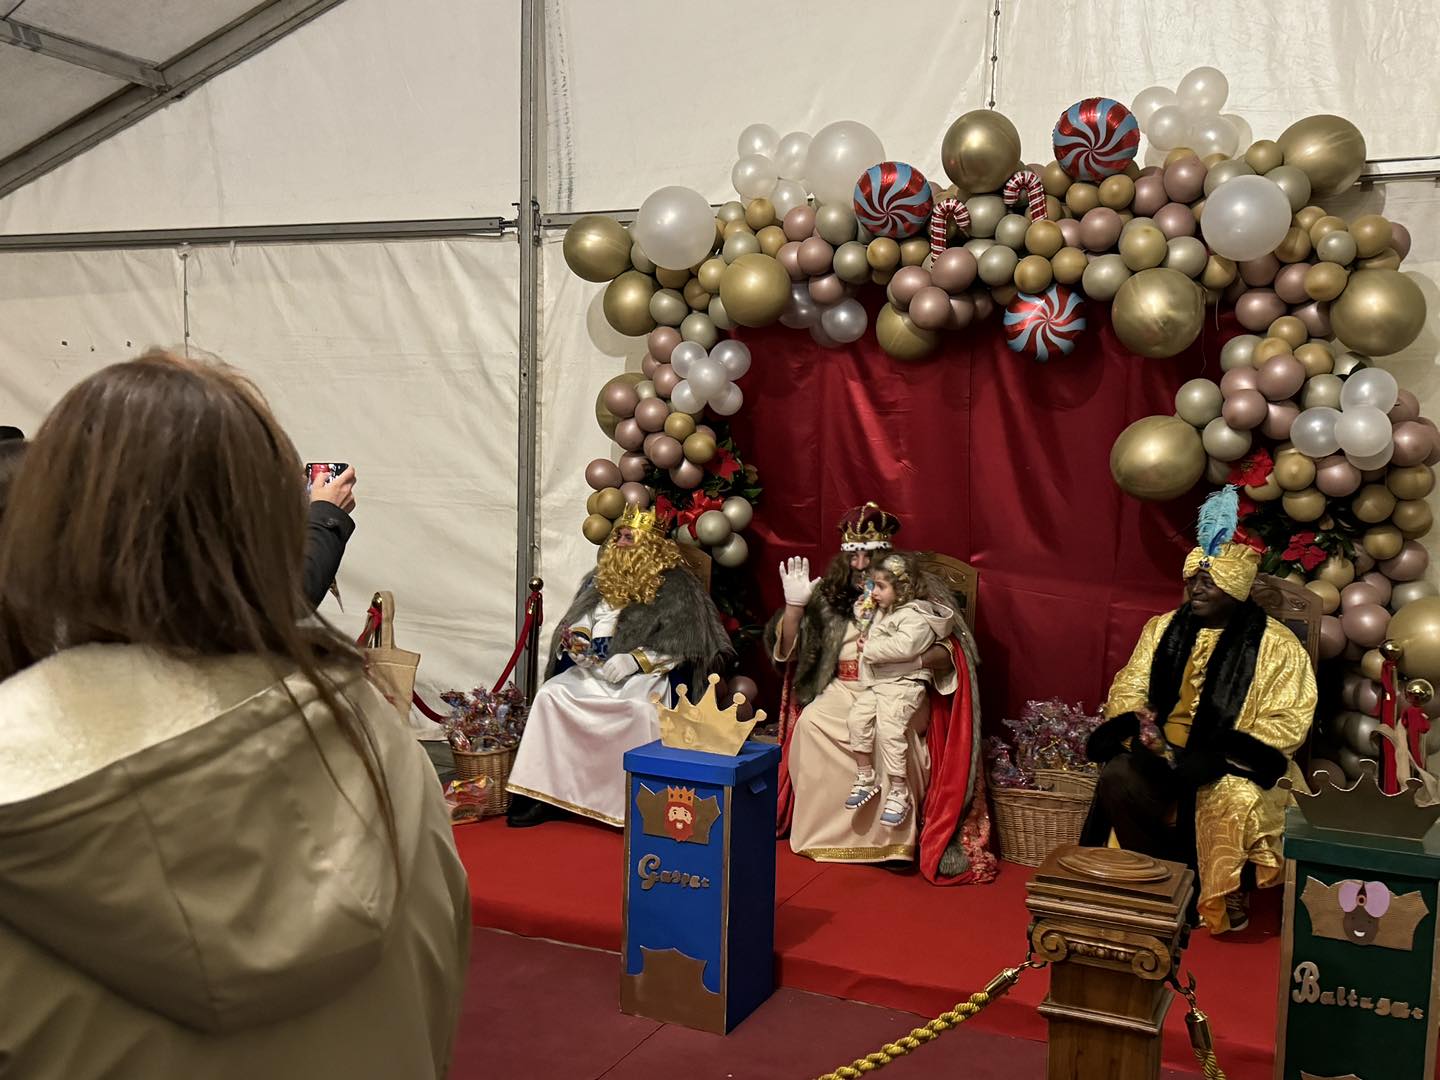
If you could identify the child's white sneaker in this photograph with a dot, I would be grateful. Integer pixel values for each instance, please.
(897, 807)
(866, 787)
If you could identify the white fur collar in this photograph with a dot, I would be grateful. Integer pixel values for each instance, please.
(88, 707)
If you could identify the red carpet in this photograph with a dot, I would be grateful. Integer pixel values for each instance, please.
(872, 935)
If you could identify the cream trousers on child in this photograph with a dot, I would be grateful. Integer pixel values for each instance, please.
(887, 708)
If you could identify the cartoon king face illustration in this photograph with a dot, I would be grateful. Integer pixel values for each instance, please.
(680, 812)
(1364, 904)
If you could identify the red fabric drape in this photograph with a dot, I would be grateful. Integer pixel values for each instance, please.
(994, 459)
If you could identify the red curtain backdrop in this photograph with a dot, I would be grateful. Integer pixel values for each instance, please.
(992, 458)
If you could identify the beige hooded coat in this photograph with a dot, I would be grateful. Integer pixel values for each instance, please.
(195, 880)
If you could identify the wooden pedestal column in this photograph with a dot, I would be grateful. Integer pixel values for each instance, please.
(1112, 925)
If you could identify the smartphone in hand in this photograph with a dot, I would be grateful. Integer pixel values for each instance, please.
(322, 472)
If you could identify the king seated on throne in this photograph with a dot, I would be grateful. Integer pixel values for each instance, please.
(638, 621)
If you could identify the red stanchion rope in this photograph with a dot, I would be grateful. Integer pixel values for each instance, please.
(534, 619)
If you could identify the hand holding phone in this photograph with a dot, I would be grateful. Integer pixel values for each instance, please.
(332, 482)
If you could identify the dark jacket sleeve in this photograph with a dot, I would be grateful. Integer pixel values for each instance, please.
(326, 534)
(1108, 740)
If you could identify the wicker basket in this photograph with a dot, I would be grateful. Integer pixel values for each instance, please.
(494, 765)
(1034, 823)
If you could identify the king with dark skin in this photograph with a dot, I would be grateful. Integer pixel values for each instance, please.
(1212, 605)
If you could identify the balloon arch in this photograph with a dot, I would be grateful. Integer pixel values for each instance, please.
(1333, 457)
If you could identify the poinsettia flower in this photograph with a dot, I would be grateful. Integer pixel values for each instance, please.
(1250, 540)
(723, 464)
(1246, 507)
(1304, 550)
(1253, 469)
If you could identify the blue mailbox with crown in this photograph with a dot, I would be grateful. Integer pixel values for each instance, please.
(699, 933)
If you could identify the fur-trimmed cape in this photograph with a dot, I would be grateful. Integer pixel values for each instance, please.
(681, 623)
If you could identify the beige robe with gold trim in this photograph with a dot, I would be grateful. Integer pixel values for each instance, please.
(1236, 821)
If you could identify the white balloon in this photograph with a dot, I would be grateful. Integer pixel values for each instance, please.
(1168, 125)
(757, 139)
(1203, 90)
(1313, 431)
(1370, 386)
(1244, 136)
(839, 153)
(754, 176)
(707, 378)
(685, 356)
(675, 228)
(820, 337)
(790, 156)
(1245, 218)
(1211, 135)
(1374, 461)
(844, 322)
(1150, 99)
(684, 399)
(733, 552)
(1363, 431)
(733, 356)
(786, 195)
(728, 402)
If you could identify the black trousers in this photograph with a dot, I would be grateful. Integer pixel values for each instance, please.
(1136, 796)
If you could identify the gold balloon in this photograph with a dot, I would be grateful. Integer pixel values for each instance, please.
(881, 277)
(590, 503)
(760, 213)
(1372, 665)
(1415, 628)
(883, 253)
(1412, 517)
(1219, 272)
(1056, 180)
(1069, 265)
(1295, 247)
(1143, 247)
(1294, 472)
(914, 251)
(1269, 347)
(1380, 312)
(1264, 155)
(1269, 491)
(597, 248)
(597, 528)
(709, 274)
(609, 503)
(1033, 274)
(979, 150)
(754, 289)
(772, 239)
(1372, 235)
(671, 279)
(1290, 330)
(1117, 192)
(627, 303)
(1044, 238)
(901, 338)
(1337, 570)
(1158, 458)
(679, 426)
(1315, 358)
(1373, 503)
(1411, 481)
(696, 296)
(1325, 281)
(1389, 259)
(1158, 312)
(1211, 160)
(1307, 216)
(1003, 294)
(1382, 542)
(603, 416)
(1180, 153)
(1328, 149)
(1080, 199)
(1329, 595)
(699, 448)
(1054, 208)
(1306, 505)
(739, 225)
(1325, 226)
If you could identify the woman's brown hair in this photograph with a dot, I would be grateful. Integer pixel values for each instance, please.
(161, 504)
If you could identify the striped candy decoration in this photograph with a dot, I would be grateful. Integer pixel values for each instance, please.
(1096, 138)
(1045, 325)
(946, 211)
(893, 199)
(1027, 185)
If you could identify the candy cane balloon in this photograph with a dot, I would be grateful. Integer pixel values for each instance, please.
(946, 211)
(1026, 183)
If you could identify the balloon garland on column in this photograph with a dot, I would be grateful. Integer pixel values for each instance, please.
(1334, 459)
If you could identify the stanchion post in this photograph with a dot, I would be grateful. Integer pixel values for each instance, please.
(530, 672)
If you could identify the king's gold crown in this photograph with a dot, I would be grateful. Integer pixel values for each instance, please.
(684, 796)
(703, 725)
(638, 519)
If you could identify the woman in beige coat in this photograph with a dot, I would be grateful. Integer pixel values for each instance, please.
(221, 854)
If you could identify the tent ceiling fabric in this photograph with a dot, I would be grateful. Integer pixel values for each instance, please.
(153, 30)
(38, 94)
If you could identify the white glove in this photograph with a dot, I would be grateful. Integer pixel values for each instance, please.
(795, 579)
(619, 668)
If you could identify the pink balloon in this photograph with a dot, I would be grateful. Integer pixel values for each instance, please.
(1245, 409)
(799, 223)
(1279, 420)
(1238, 379)
(816, 255)
(1290, 283)
(630, 435)
(1260, 272)
(1367, 698)
(665, 451)
(1400, 239)
(1380, 583)
(930, 308)
(1365, 625)
(1363, 560)
(954, 269)
(1434, 456)
(651, 413)
(662, 342)
(602, 473)
(908, 280)
(789, 257)
(1258, 308)
(1100, 229)
(1150, 170)
(1175, 219)
(648, 364)
(636, 494)
(1315, 317)
(687, 475)
(1149, 195)
(1359, 593)
(665, 380)
(1280, 377)
(1413, 442)
(827, 289)
(633, 467)
(1185, 180)
(621, 399)
(984, 304)
(1332, 637)
(1070, 232)
(705, 429)
(1407, 407)
(1409, 565)
(962, 312)
(1336, 477)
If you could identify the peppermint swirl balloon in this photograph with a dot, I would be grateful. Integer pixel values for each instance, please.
(1045, 325)
(1096, 138)
(893, 199)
